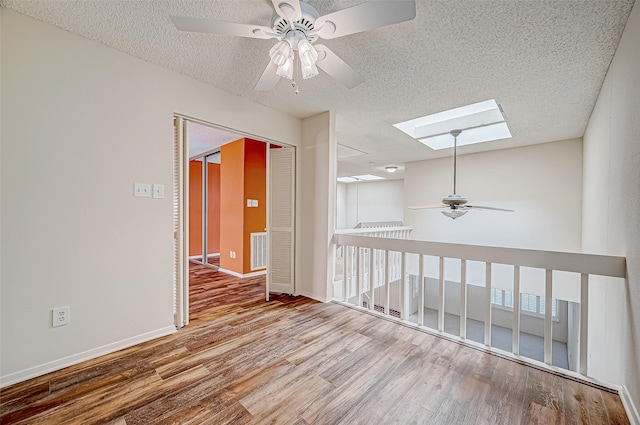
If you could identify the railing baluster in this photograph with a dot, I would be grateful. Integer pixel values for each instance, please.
(584, 318)
(371, 281)
(386, 282)
(421, 292)
(515, 343)
(403, 288)
(346, 258)
(548, 322)
(344, 273)
(358, 277)
(487, 306)
(441, 296)
(463, 298)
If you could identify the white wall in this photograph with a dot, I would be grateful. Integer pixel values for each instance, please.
(341, 206)
(611, 215)
(542, 183)
(317, 200)
(81, 123)
(373, 201)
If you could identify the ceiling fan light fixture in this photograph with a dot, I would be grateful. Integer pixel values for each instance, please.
(286, 69)
(308, 71)
(454, 213)
(308, 54)
(281, 52)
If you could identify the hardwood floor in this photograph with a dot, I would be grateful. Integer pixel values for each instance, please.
(296, 361)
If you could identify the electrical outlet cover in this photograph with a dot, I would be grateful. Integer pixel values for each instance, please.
(60, 316)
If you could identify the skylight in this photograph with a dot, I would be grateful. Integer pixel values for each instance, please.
(479, 122)
(363, 177)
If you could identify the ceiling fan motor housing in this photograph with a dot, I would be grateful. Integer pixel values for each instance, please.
(454, 199)
(305, 24)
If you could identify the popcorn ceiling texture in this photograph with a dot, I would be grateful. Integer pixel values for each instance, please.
(543, 61)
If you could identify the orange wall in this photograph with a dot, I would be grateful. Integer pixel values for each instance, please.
(242, 177)
(231, 204)
(195, 208)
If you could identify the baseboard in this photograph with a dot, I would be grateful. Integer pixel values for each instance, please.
(629, 406)
(32, 372)
(312, 296)
(240, 275)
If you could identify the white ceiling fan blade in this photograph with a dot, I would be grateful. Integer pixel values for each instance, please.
(288, 9)
(427, 207)
(479, 207)
(330, 63)
(220, 27)
(269, 78)
(365, 17)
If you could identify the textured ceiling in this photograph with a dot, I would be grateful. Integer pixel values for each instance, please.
(544, 61)
(203, 138)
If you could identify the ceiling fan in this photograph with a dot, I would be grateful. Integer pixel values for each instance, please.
(456, 205)
(297, 26)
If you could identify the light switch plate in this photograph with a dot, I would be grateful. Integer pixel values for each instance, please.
(248, 203)
(158, 191)
(142, 190)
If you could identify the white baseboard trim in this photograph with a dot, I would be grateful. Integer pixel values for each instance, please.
(312, 296)
(629, 407)
(35, 371)
(240, 275)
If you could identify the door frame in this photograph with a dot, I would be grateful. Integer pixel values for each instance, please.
(181, 232)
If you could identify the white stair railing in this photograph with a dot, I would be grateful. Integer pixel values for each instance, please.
(375, 267)
(375, 271)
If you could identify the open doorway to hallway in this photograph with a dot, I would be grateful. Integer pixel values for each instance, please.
(221, 207)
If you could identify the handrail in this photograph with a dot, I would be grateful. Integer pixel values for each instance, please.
(603, 265)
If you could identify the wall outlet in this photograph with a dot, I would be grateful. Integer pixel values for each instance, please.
(232, 254)
(61, 316)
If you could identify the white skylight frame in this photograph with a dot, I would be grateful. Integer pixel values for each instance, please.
(479, 122)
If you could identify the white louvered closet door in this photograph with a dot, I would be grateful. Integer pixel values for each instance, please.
(281, 235)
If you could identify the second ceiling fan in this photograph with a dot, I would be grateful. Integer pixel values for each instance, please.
(455, 205)
(297, 26)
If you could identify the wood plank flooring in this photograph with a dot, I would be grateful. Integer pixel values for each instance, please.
(296, 361)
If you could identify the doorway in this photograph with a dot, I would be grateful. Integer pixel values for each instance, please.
(202, 222)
